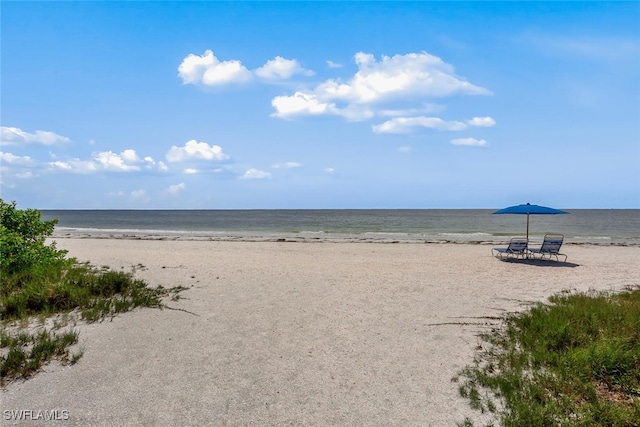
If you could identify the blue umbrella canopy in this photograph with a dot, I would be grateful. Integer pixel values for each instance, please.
(530, 209)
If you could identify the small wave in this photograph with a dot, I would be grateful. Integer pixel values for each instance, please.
(384, 233)
(93, 230)
(477, 234)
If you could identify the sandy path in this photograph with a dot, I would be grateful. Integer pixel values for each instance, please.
(310, 334)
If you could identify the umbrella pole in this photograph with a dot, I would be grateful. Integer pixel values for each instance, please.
(527, 227)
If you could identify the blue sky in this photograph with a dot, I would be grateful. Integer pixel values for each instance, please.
(187, 105)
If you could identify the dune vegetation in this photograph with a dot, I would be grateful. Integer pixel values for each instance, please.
(574, 361)
(43, 293)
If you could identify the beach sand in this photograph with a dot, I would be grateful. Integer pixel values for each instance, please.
(313, 334)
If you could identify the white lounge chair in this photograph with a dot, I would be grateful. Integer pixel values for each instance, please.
(550, 247)
(517, 249)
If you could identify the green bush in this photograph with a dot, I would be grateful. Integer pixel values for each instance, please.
(37, 280)
(22, 242)
(574, 362)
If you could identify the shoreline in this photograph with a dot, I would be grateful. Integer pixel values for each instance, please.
(292, 238)
(476, 226)
(271, 333)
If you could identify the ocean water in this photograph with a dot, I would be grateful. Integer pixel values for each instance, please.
(595, 226)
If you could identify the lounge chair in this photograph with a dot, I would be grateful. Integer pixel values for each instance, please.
(517, 249)
(550, 247)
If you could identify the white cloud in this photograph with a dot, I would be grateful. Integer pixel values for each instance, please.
(301, 103)
(287, 165)
(482, 121)
(400, 77)
(75, 166)
(150, 163)
(123, 162)
(469, 142)
(254, 173)
(130, 156)
(126, 161)
(405, 149)
(16, 136)
(191, 171)
(406, 83)
(9, 158)
(12, 166)
(405, 125)
(210, 71)
(65, 166)
(329, 170)
(193, 150)
(176, 188)
(307, 103)
(392, 80)
(280, 68)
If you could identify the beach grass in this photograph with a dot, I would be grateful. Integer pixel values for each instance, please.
(26, 352)
(38, 282)
(88, 292)
(95, 292)
(574, 361)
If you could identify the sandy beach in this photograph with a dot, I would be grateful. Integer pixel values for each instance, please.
(289, 333)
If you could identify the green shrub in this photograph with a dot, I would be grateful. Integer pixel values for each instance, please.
(37, 279)
(22, 241)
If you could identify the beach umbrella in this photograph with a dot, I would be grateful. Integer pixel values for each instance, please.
(529, 209)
